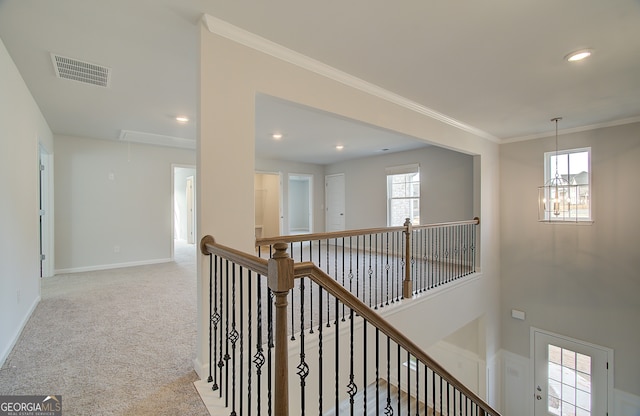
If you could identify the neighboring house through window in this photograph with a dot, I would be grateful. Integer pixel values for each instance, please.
(403, 195)
(566, 196)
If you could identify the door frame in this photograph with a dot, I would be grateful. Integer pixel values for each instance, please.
(45, 202)
(308, 177)
(532, 369)
(195, 197)
(283, 226)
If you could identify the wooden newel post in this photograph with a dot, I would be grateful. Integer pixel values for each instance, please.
(407, 284)
(280, 281)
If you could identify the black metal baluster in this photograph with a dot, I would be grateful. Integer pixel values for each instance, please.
(387, 267)
(215, 318)
(370, 271)
(310, 289)
(388, 410)
(337, 357)
(352, 389)
(426, 390)
(433, 389)
(350, 266)
(401, 265)
(258, 359)
(303, 368)
(233, 337)
(473, 248)
(220, 356)
(292, 302)
(365, 363)
(226, 338)
(417, 388)
(358, 267)
(328, 299)
(399, 274)
(249, 340)
(343, 306)
(241, 340)
(394, 267)
(441, 396)
(210, 379)
(408, 383)
(270, 347)
(399, 365)
(320, 368)
(377, 371)
(431, 256)
(377, 274)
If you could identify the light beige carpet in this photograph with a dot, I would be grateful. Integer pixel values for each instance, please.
(113, 342)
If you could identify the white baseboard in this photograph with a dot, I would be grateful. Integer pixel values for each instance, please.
(625, 404)
(111, 266)
(202, 370)
(16, 335)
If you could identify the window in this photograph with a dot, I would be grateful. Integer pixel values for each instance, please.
(566, 195)
(403, 195)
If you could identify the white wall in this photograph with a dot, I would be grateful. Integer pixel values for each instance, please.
(581, 281)
(446, 186)
(22, 126)
(110, 194)
(230, 77)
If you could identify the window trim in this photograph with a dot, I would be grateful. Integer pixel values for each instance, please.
(413, 168)
(550, 170)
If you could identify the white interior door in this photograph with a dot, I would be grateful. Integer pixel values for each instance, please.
(570, 377)
(334, 201)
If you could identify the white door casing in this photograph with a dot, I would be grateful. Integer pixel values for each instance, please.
(570, 377)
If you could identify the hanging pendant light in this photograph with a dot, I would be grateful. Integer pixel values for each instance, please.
(554, 200)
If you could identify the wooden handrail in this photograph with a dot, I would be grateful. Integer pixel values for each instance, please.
(208, 246)
(308, 269)
(266, 241)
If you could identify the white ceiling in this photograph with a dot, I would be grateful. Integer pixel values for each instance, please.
(494, 65)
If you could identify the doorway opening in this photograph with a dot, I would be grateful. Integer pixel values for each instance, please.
(269, 218)
(45, 201)
(183, 205)
(300, 198)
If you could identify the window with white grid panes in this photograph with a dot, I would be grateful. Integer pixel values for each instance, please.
(403, 198)
(569, 382)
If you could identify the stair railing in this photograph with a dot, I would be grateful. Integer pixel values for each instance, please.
(383, 265)
(376, 354)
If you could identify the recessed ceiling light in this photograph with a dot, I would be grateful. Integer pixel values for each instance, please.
(339, 147)
(277, 136)
(578, 55)
(182, 119)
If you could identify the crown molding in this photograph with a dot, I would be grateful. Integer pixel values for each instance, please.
(251, 40)
(579, 129)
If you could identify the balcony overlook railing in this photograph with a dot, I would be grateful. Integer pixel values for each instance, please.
(286, 335)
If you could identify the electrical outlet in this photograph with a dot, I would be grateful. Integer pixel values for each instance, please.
(116, 249)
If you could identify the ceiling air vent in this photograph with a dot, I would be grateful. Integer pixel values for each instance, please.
(80, 71)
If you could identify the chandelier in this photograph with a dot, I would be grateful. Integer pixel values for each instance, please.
(554, 197)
